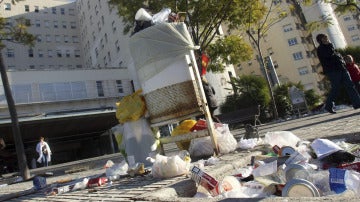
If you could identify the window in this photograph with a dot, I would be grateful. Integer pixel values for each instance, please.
(37, 23)
(62, 11)
(66, 38)
(100, 88)
(117, 45)
(102, 20)
(77, 53)
(71, 11)
(58, 53)
(53, 10)
(47, 92)
(96, 52)
(113, 26)
(31, 52)
(303, 70)
(297, 56)
(41, 54)
(47, 23)
(64, 25)
(63, 91)
(46, 10)
(38, 38)
(351, 28)
(10, 53)
(36, 9)
(99, 27)
(287, 28)
(75, 39)
(48, 38)
(67, 53)
(292, 41)
(22, 93)
(78, 90)
(79, 66)
(96, 10)
(102, 44)
(27, 8)
(7, 7)
(119, 86)
(57, 38)
(355, 38)
(50, 53)
(347, 18)
(56, 24)
(73, 25)
(106, 38)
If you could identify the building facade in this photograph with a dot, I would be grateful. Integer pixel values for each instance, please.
(68, 68)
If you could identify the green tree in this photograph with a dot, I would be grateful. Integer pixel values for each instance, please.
(283, 101)
(249, 90)
(204, 18)
(15, 34)
(256, 28)
(312, 99)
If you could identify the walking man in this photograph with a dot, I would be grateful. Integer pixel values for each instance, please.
(335, 69)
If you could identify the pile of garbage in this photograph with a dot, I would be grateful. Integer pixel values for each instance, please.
(294, 168)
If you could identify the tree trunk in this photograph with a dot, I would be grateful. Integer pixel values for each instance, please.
(19, 146)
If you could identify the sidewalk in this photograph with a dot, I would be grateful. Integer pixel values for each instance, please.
(343, 125)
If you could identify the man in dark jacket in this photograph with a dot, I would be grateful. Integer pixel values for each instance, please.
(335, 69)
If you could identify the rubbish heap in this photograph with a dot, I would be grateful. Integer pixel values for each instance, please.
(294, 168)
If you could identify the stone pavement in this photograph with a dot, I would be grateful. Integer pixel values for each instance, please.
(343, 125)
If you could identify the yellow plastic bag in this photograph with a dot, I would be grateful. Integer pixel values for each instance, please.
(183, 128)
(131, 107)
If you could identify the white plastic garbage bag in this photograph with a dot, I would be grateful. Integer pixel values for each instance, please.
(226, 141)
(203, 146)
(165, 167)
(117, 169)
(281, 138)
(138, 139)
(248, 143)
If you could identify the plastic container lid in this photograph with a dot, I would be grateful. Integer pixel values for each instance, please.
(295, 171)
(300, 188)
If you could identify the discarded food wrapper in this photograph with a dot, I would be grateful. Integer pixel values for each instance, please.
(96, 182)
(205, 180)
(76, 185)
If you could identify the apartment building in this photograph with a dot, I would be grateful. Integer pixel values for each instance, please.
(293, 49)
(65, 87)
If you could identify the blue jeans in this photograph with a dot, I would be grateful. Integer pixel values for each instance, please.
(44, 160)
(337, 79)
